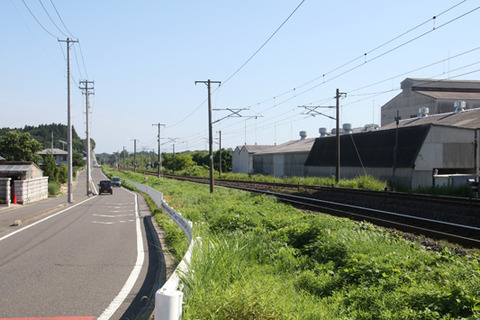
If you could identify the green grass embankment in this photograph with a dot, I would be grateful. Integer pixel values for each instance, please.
(262, 259)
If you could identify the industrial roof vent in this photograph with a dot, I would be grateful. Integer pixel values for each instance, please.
(459, 106)
(347, 128)
(334, 131)
(323, 132)
(423, 112)
(303, 135)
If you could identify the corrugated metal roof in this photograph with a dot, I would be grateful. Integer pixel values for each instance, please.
(372, 149)
(441, 84)
(469, 118)
(15, 167)
(446, 95)
(256, 148)
(304, 145)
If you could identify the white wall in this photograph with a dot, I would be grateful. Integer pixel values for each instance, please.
(5, 191)
(31, 190)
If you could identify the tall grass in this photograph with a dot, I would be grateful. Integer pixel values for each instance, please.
(262, 259)
(360, 182)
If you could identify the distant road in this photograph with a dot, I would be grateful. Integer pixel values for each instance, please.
(88, 261)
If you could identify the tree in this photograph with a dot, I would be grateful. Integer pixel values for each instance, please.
(182, 161)
(62, 174)
(201, 158)
(17, 146)
(227, 156)
(50, 168)
(77, 160)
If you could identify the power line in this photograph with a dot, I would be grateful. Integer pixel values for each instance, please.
(264, 44)
(61, 20)
(83, 60)
(374, 58)
(49, 17)
(243, 65)
(34, 17)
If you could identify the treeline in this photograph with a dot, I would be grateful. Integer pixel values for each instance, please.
(43, 134)
(170, 161)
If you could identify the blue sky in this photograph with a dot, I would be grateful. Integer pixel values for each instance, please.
(146, 55)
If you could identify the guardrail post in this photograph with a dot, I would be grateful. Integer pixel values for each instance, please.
(168, 305)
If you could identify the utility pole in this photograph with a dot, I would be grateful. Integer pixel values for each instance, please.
(159, 154)
(69, 130)
(337, 97)
(123, 157)
(210, 134)
(174, 158)
(135, 155)
(84, 86)
(395, 149)
(220, 153)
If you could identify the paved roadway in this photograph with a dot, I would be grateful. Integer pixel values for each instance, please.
(87, 260)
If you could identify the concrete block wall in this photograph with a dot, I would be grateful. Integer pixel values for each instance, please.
(31, 190)
(5, 191)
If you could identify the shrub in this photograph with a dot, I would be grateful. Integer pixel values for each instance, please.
(53, 188)
(62, 175)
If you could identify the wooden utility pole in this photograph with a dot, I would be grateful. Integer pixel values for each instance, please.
(86, 90)
(210, 133)
(159, 154)
(69, 130)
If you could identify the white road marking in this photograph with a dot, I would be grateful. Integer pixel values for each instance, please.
(44, 219)
(127, 287)
(112, 215)
(101, 222)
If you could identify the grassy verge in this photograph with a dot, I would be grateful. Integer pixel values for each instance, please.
(262, 259)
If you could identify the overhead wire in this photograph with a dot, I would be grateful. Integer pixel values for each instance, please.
(372, 50)
(264, 43)
(61, 20)
(49, 17)
(35, 18)
(245, 63)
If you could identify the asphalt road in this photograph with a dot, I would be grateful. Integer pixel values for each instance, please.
(88, 260)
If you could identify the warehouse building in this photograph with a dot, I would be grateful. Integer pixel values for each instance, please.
(421, 96)
(284, 160)
(442, 144)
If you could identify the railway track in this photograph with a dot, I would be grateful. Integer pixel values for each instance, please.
(449, 218)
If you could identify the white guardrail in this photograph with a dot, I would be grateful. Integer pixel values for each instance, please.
(169, 298)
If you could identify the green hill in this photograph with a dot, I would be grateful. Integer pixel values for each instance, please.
(43, 134)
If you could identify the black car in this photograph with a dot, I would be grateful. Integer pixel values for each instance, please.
(116, 182)
(105, 187)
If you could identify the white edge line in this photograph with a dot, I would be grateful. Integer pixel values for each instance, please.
(44, 219)
(127, 287)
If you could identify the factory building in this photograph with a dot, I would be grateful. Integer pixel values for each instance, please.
(284, 160)
(420, 96)
(421, 151)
